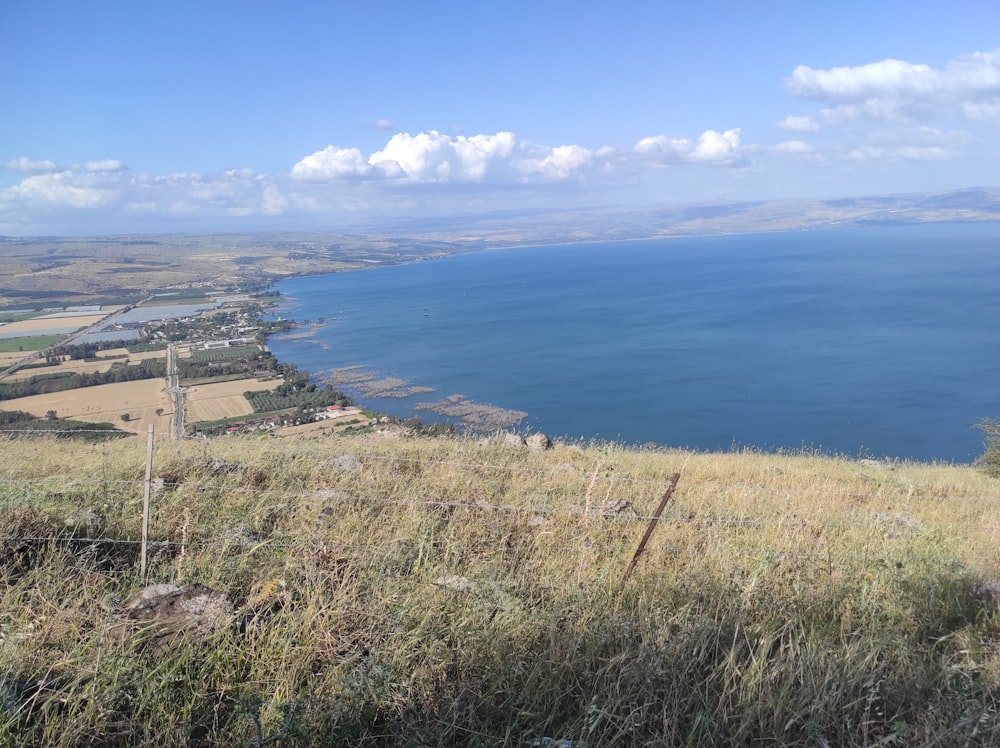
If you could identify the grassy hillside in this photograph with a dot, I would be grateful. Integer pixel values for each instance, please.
(449, 592)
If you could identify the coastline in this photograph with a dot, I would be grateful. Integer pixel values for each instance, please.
(364, 384)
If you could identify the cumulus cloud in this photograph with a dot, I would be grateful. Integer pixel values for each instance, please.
(332, 163)
(106, 188)
(427, 157)
(555, 163)
(799, 124)
(410, 169)
(711, 147)
(433, 157)
(27, 166)
(891, 88)
(64, 189)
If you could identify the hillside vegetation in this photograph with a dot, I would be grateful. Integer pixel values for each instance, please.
(418, 591)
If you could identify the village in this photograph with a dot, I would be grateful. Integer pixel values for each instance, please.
(187, 362)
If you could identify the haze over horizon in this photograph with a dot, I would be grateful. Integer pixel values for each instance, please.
(124, 117)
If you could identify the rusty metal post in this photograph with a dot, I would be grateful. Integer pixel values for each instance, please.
(649, 529)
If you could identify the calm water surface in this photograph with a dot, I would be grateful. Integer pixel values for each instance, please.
(875, 341)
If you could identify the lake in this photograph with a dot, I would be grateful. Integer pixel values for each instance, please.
(875, 342)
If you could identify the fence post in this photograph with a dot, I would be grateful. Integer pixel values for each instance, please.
(649, 529)
(145, 503)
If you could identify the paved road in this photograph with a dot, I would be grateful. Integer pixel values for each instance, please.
(176, 392)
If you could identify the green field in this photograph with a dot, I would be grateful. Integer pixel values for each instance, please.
(226, 354)
(29, 343)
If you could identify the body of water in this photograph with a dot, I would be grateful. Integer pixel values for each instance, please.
(877, 341)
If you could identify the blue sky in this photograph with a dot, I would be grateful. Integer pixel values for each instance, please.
(122, 117)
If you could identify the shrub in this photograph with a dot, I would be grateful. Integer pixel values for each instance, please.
(990, 459)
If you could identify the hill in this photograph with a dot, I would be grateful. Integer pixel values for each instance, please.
(395, 590)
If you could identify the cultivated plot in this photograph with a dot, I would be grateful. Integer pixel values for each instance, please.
(140, 400)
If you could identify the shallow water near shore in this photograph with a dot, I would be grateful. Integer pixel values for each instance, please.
(877, 341)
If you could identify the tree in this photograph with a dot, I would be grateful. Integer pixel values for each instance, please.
(50, 415)
(126, 417)
(989, 461)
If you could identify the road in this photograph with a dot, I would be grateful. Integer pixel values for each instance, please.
(176, 392)
(69, 340)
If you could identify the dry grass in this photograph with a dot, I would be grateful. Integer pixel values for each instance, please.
(449, 592)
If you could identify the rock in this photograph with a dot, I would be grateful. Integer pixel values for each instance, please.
(512, 440)
(989, 591)
(221, 467)
(347, 463)
(82, 522)
(538, 442)
(620, 508)
(167, 614)
(456, 583)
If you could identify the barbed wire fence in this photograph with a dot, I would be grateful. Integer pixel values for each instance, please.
(21, 489)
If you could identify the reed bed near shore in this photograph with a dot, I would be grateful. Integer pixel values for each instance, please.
(451, 591)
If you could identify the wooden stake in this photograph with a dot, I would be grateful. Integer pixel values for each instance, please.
(145, 503)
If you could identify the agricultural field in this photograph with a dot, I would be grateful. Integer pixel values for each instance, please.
(9, 358)
(105, 403)
(224, 354)
(66, 367)
(41, 325)
(23, 345)
(118, 353)
(102, 363)
(213, 402)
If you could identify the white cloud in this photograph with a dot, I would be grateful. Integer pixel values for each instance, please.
(384, 124)
(26, 165)
(434, 157)
(899, 153)
(799, 124)
(555, 163)
(712, 147)
(64, 189)
(107, 165)
(793, 147)
(332, 163)
(891, 89)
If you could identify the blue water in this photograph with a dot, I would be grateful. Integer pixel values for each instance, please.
(875, 341)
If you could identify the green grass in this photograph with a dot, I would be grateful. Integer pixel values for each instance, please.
(403, 591)
(29, 343)
(19, 317)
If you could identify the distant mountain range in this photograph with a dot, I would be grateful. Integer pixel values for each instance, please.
(977, 204)
(78, 270)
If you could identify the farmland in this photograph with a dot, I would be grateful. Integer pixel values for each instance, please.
(105, 403)
(212, 402)
(26, 343)
(41, 325)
